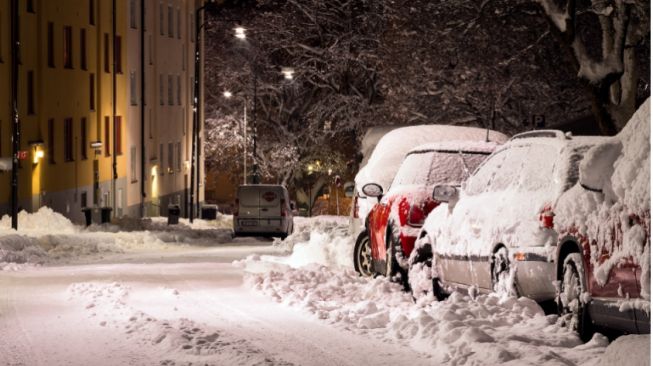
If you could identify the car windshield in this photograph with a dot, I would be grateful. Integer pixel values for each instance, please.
(437, 167)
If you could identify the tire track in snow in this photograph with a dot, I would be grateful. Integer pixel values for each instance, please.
(15, 347)
(293, 334)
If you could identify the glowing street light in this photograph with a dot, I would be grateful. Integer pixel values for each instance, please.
(287, 73)
(239, 32)
(227, 94)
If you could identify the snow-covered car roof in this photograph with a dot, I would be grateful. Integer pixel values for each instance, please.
(465, 146)
(394, 145)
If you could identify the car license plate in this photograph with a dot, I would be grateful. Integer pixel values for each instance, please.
(249, 222)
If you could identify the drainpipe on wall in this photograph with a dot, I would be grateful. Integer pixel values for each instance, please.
(15, 138)
(143, 194)
(113, 106)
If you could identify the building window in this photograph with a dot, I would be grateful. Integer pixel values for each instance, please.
(151, 129)
(192, 28)
(68, 47)
(161, 19)
(68, 139)
(171, 22)
(178, 155)
(91, 91)
(132, 88)
(82, 49)
(183, 57)
(132, 13)
(178, 24)
(170, 157)
(150, 49)
(1, 61)
(91, 12)
(161, 171)
(83, 134)
(30, 6)
(51, 146)
(84, 199)
(161, 88)
(30, 92)
(118, 54)
(118, 126)
(50, 44)
(107, 136)
(184, 121)
(107, 61)
(132, 157)
(171, 96)
(178, 90)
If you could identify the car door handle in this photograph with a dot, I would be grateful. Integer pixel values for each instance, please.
(264, 209)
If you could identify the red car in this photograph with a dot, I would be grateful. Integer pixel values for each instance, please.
(603, 256)
(394, 222)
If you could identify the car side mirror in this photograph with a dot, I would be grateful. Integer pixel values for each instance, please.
(292, 206)
(596, 168)
(447, 194)
(373, 190)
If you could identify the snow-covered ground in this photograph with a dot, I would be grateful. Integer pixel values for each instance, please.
(148, 294)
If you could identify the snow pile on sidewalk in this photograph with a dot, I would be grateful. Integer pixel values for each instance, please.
(46, 236)
(43, 222)
(485, 330)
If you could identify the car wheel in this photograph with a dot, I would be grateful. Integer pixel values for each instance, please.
(503, 279)
(392, 268)
(572, 307)
(363, 255)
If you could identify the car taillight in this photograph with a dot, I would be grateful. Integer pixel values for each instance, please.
(236, 207)
(283, 207)
(416, 216)
(546, 217)
(356, 206)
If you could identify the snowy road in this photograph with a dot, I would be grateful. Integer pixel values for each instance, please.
(186, 306)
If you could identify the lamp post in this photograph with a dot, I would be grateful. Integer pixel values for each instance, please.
(15, 137)
(197, 107)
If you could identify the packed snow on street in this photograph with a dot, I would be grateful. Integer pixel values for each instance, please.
(145, 293)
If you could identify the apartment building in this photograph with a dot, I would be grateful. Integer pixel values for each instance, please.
(95, 81)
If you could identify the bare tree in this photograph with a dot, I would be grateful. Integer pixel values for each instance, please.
(613, 74)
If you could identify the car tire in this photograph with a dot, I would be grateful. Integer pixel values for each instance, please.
(420, 269)
(572, 308)
(392, 268)
(503, 282)
(363, 255)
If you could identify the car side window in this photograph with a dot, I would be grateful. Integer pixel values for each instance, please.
(480, 181)
(539, 170)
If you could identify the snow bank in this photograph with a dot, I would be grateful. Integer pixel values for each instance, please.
(484, 330)
(324, 240)
(47, 236)
(633, 349)
(42, 222)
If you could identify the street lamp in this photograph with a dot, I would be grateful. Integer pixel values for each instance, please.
(197, 107)
(287, 73)
(227, 94)
(240, 32)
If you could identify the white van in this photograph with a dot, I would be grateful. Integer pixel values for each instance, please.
(263, 210)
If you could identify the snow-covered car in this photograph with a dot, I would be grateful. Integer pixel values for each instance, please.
(497, 232)
(394, 222)
(384, 148)
(603, 260)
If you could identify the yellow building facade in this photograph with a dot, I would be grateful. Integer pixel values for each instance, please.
(80, 108)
